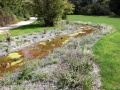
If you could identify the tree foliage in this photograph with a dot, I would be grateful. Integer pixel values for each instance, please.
(51, 11)
(96, 7)
(17, 7)
(79, 4)
(12, 11)
(115, 6)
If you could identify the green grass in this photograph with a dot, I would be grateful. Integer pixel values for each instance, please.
(107, 50)
(27, 29)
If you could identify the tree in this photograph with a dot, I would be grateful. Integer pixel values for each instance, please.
(13, 10)
(79, 4)
(115, 6)
(51, 11)
(91, 7)
(20, 8)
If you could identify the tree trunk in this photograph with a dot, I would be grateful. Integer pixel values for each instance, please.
(48, 22)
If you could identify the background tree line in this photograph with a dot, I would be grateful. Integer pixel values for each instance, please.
(51, 11)
(12, 11)
(96, 7)
(48, 11)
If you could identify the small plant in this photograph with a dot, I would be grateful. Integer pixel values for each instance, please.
(67, 22)
(45, 31)
(40, 63)
(87, 83)
(7, 80)
(41, 76)
(26, 72)
(8, 38)
(52, 59)
(63, 80)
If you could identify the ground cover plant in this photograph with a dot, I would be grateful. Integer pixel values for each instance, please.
(80, 68)
(69, 67)
(106, 50)
(14, 43)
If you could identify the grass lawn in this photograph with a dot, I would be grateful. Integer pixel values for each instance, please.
(107, 50)
(27, 29)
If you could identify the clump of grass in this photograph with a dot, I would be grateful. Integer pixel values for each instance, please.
(26, 72)
(87, 83)
(53, 59)
(41, 76)
(7, 80)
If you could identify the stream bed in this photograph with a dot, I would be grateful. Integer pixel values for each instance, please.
(13, 61)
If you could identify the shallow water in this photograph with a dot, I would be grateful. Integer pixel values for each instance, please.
(8, 64)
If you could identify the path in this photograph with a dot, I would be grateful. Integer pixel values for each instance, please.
(21, 23)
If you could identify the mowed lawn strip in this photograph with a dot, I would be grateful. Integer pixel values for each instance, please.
(106, 50)
(27, 29)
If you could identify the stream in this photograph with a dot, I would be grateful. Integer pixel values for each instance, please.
(13, 61)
